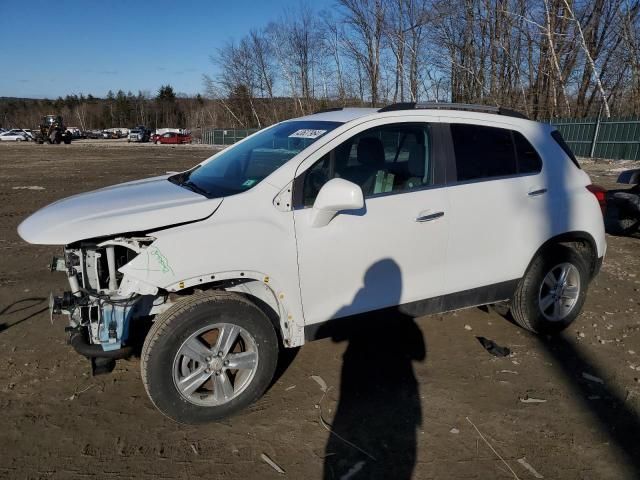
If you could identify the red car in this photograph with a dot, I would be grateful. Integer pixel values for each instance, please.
(172, 138)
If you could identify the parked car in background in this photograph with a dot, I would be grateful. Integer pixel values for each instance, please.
(93, 134)
(111, 134)
(13, 137)
(22, 131)
(115, 133)
(75, 132)
(139, 134)
(627, 202)
(173, 138)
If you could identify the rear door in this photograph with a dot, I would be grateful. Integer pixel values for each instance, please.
(497, 206)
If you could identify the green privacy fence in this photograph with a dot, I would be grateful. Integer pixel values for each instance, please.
(226, 136)
(612, 138)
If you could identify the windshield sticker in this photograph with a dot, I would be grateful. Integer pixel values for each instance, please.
(307, 133)
(248, 183)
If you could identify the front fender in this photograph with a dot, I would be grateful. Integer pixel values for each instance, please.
(152, 267)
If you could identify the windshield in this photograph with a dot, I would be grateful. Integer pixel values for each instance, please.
(243, 166)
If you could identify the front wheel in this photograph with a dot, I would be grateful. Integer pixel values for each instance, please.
(552, 292)
(208, 357)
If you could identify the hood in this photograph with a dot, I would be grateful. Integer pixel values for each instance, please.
(128, 207)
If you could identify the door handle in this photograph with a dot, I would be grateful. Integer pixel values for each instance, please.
(536, 193)
(429, 217)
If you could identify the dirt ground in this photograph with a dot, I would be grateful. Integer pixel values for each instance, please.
(425, 400)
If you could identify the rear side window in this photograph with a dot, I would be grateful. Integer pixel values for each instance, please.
(488, 152)
(557, 136)
(528, 158)
(483, 152)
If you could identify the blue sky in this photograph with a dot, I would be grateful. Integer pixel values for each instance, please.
(118, 44)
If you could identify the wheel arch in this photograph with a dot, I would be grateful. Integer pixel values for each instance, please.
(581, 241)
(258, 288)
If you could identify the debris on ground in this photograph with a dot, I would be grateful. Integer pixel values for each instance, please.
(327, 427)
(526, 465)
(271, 463)
(29, 187)
(78, 392)
(454, 430)
(468, 327)
(320, 381)
(353, 470)
(493, 348)
(528, 399)
(290, 388)
(592, 378)
(515, 475)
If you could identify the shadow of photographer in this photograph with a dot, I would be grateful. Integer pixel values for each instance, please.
(379, 405)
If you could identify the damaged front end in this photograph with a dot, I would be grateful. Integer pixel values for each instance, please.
(103, 303)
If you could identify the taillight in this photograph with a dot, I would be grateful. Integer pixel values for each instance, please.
(600, 194)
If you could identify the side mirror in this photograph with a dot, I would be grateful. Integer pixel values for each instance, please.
(335, 196)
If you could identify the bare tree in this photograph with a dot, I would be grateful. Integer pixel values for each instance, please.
(365, 19)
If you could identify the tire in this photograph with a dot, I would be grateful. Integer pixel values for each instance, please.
(627, 223)
(534, 292)
(168, 353)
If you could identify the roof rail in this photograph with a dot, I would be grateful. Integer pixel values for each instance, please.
(453, 106)
(398, 106)
(334, 109)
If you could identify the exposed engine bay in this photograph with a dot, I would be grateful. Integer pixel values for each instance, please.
(102, 301)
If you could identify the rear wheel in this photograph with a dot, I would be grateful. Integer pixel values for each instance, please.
(551, 294)
(628, 223)
(208, 357)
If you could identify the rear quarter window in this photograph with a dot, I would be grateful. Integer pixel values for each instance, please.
(528, 159)
(557, 136)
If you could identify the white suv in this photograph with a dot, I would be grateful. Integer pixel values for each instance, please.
(269, 243)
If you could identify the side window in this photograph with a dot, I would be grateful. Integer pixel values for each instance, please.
(557, 136)
(392, 158)
(528, 159)
(483, 152)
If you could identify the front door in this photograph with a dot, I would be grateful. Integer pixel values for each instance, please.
(391, 252)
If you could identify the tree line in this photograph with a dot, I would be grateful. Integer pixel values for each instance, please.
(546, 58)
(120, 109)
